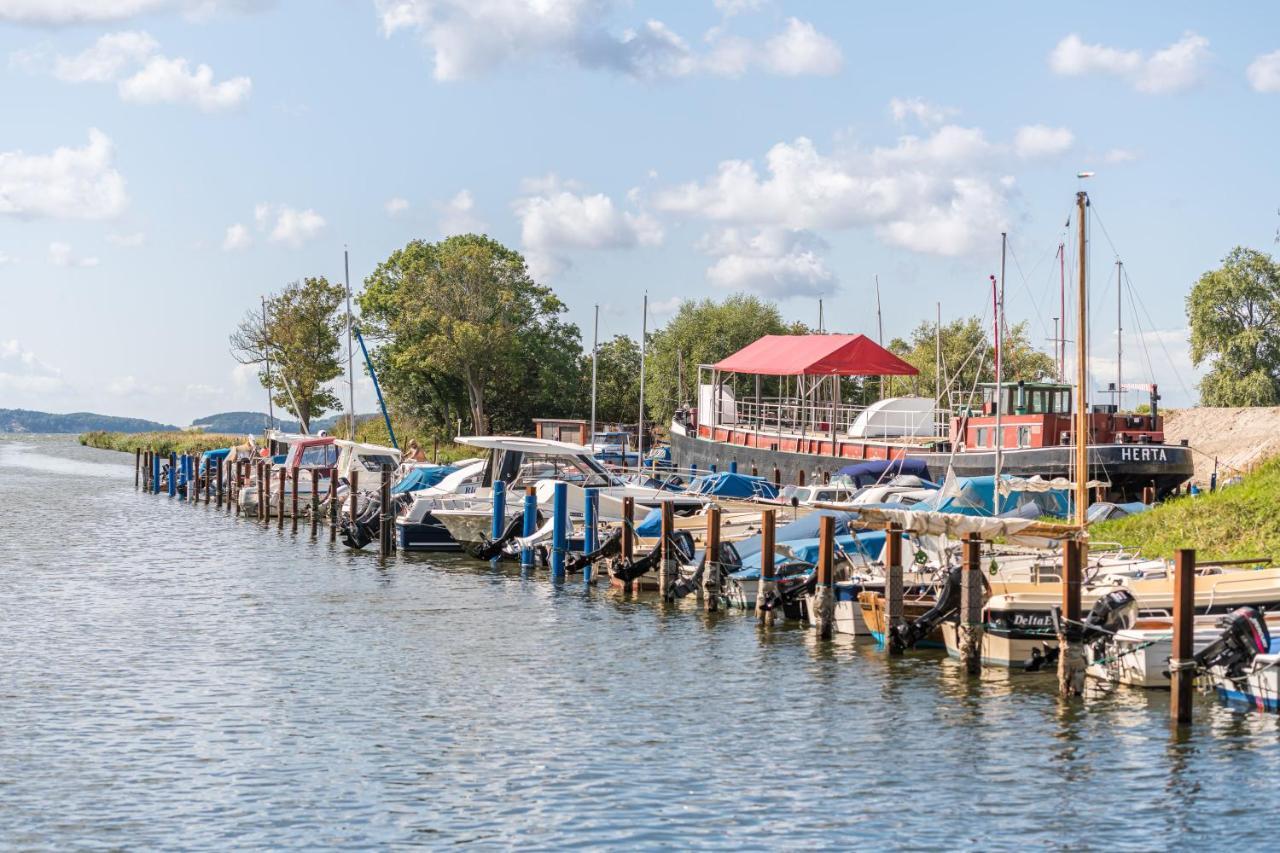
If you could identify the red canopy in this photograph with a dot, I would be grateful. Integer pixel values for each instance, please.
(816, 355)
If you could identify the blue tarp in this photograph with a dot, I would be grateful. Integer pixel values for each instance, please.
(883, 470)
(869, 543)
(210, 456)
(422, 477)
(728, 485)
(1105, 511)
(651, 525)
(977, 497)
(802, 528)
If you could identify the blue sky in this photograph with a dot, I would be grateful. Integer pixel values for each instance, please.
(792, 149)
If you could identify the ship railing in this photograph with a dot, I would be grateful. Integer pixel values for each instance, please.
(793, 418)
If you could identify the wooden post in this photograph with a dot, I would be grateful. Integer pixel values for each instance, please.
(800, 478)
(1180, 666)
(217, 483)
(667, 572)
(1071, 663)
(353, 493)
(264, 496)
(826, 478)
(777, 477)
(284, 473)
(969, 633)
(293, 527)
(315, 501)
(628, 527)
(333, 504)
(137, 468)
(208, 482)
(823, 615)
(768, 532)
(384, 515)
(711, 568)
(755, 472)
(893, 610)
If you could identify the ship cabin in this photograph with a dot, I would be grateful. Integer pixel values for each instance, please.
(1040, 414)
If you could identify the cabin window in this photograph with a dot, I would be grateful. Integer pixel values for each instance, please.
(319, 456)
(983, 436)
(576, 470)
(1038, 401)
(375, 461)
(1024, 436)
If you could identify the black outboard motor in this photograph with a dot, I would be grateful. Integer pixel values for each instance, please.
(789, 593)
(1115, 611)
(360, 531)
(609, 548)
(491, 548)
(1244, 637)
(903, 637)
(728, 562)
(681, 543)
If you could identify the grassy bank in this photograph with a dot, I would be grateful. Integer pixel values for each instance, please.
(1236, 522)
(162, 442)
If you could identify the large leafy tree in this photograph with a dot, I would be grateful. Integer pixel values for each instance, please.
(464, 328)
(703, 332)
(300, 337)
(1233, 313)
(968, 356)
(617, 380)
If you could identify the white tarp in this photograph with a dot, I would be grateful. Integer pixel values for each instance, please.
(706, 405)
(951, 525)
(1008, 485)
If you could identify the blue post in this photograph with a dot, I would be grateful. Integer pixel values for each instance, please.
(155, 473)
(693, 469)
(186, 475)
(530, 527)
(589, 514)
(733, 466)
(173, 474)
(560, 530)
(499, 511)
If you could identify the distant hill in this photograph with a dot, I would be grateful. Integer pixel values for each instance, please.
(23, 420)
(253, 423)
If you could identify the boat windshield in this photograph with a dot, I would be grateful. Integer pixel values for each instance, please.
(579, 470)
(375, 461)
(317, 456)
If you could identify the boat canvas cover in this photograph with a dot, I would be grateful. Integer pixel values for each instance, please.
(976, 496)
(816, 355)
(727, 484)
(866, 543)
(422, 477)
(883, 470)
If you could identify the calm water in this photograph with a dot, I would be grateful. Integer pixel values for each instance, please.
(171, 676)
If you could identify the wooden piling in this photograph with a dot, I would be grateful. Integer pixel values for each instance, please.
(315, 502)
(667, 570)
(294, 526)
(628, 528)
(826, 478)
(823, 615)
(970, 632)
(893, 609)
(711, 569)
(264, 496)
(353, 493)
(333, 504)
(768, 533)
(1180, 665)
(777, 477)
(384, 513)
(800, 478)
(284, 473)
(209, 483)
(755, 472)
(1071, 664)
(137, 468)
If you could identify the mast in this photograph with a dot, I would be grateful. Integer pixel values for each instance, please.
(820, 324)
(937, 357)
(351, 376)
(595, 348)
(644, 340)
(880, 333)
(1060, 346)
(1082, 370)
(266, 351)
(1119, 333)
(997, 295)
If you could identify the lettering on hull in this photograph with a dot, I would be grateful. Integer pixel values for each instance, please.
(1143, 454)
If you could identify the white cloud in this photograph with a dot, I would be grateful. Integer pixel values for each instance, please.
(127, 241)
(1264, 73)
(922, 111)
(1171, 69)
(555, 218)
(728, 8)
(801, 49)
(458, 216)
(396, 206)
(940, 194)
(664, 307)
(107, 59)
(131, 386)
(245, 376)
(21, 370)
(281, 223)
(1121, 155)
(153, 78)
(200, 391)
(1038, 140)
(6, 258)
(236, 238)
(164, 80)
(70, 12)
(60, 255)
(70, 183)
(468, 38)
(773, 262)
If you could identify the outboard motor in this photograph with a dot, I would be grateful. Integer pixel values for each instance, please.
(905, 636)
(789, 593)
(360, 531)
(491, 548)
(1115, 611)
(609, 548)
(1244, 637)
(681, 543)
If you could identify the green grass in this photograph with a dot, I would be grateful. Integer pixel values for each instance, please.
(374, 431)
(1235, 522)
(161, 442)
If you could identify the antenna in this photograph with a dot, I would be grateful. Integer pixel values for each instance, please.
(879, 316)
(351, 376)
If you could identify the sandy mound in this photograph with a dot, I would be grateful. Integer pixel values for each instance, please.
(1238, 438)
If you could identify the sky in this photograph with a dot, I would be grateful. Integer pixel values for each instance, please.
(165, 163)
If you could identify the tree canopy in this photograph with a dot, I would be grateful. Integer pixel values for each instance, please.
(703, 332)
(617, 380)
(968, 356)
(464, 328)
(300, 337)
(1233, 312)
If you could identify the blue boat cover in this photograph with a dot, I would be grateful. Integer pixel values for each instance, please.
(882, 470)
(977, 497)
(1105, 511)
(728, 485)
(801, 528)
(868, 543)
(422, 477)
(651, 525)
(210, 456)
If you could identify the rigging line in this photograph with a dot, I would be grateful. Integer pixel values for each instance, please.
(1044, 327)
(1142, 335)
(1151, 323)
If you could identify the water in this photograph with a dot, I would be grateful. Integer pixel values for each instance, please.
(174, 677)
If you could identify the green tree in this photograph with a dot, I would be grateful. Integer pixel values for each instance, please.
(300, 337)
(968, 356)
(703, 332)
(1233, 312)
(464, 328)
(617, 380)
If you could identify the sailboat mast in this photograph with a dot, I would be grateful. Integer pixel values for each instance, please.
(644, 340)
(821, 322)
(998, 298)
(1060, 346)
(1082, 374)
(1119, 334)
(595, 349)
(351, 376)
(266, 351)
